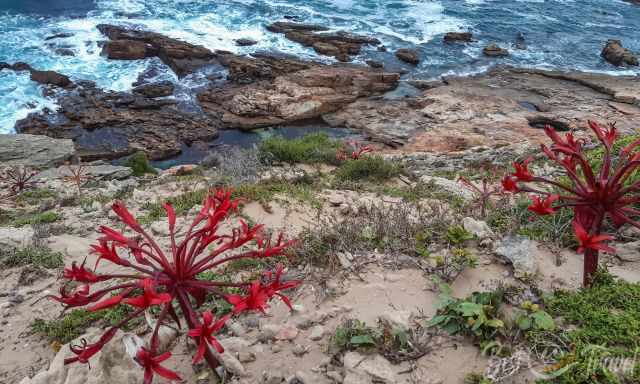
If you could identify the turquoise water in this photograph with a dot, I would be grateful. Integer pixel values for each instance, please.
(561, 34)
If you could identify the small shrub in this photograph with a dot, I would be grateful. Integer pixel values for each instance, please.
(457, 235)
(37, 218)
(36, 196)
(354, 334)
(140, 165)
(368, 168)
(476, 315)
(18, 179)
(36, 256)
(75, 323)
(312, 148)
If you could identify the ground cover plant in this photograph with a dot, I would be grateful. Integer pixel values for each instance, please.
(596, 195)
(312, 148)
(169, 279)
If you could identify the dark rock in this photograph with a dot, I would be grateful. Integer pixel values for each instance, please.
(493, 50)
(65, 52)
(617, 55)
(245, 42)
(374, 64)
(183, 58)
(284, 26)
(153, 90)
(63, 35)
(106, 125)
(408, 55)
(520, 41)
(20, 66)
(127, 50)
(50, 77)
(340, 45)
(453, 37)
(382, 48)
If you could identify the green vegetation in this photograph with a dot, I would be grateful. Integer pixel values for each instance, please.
(76, 322)
(35, 196)
(367, 168)
(354, 334)
(312, 148)
(476, 315)
(36, 218)
(595, 156)
(140, 165)
(605, 333)
(476, 378)
(36, 256)
(457, 235)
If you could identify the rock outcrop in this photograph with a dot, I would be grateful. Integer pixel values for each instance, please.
(493, 50)
(341, 45)
(616, 54)
(454, 37)
(130, 44)
(154, 90)
(408, 56)
(305, 94)
(113, 124)
(41, 77)
(34, 151)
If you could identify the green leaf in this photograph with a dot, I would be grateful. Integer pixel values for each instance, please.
(524, 322)
(470, 309)
(543, 320)
(362, 340)
(437, 320)
(451, 327)
(495, 323)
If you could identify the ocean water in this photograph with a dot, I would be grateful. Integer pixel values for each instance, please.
(563, 34)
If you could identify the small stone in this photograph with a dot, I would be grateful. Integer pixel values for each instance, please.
(268, 332)
(288, 332)
(629, 252)
(246, 357)
(272, 378)
(397, 319)
(493, 50)
(317, 333)
(335, 376)
(236, 328)
(299, 350)
(276, 348)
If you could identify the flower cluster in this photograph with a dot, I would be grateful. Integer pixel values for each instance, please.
(153, 278)
(594, 195)
(18, 179)
(357, 150)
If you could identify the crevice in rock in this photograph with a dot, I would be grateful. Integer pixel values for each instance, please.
(541, 121)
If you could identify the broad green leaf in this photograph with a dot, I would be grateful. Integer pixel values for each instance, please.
(524, 322)
(495, 323)
(543, 320)
(470, 309)
(362, 340)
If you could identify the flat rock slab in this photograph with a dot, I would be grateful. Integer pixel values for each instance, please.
(34, 151)
(102, 172)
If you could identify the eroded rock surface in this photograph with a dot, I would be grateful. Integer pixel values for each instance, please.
(618, 55)
(34, 151)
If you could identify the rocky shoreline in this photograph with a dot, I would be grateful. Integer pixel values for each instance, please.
(249, 92)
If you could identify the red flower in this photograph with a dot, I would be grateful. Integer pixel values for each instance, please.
(77, 298)
(119, 208)
(543, 206)
(522, 172)
(256, 300)
(108, 253)
(606, 136)
(510, 184)
(86, 351)
(259, 294)
(591, 242)
(106, 303)
(205, 334)
(82, 275)
(151, 365)
(171, 215)
(149, 297)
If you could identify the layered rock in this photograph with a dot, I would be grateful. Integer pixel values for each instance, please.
(305, 94)
(130, 44)
(453, 37)
(113, 124)
(341, 45)
(616, 54)
(493, 50)
(502, 107)
(408, 55)
(34, 151)
(41, 77)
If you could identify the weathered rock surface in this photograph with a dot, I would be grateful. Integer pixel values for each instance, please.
(628, 251)
(245, 42)
(99, 172)
(340, 45)
(493, 50)
(305, 94)
(408, 56)
(616, 54)
(453, 37)
(499, 108)
(113, 124)
(153, 90)
(34, 151)
(131, 44)
(521, 252)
